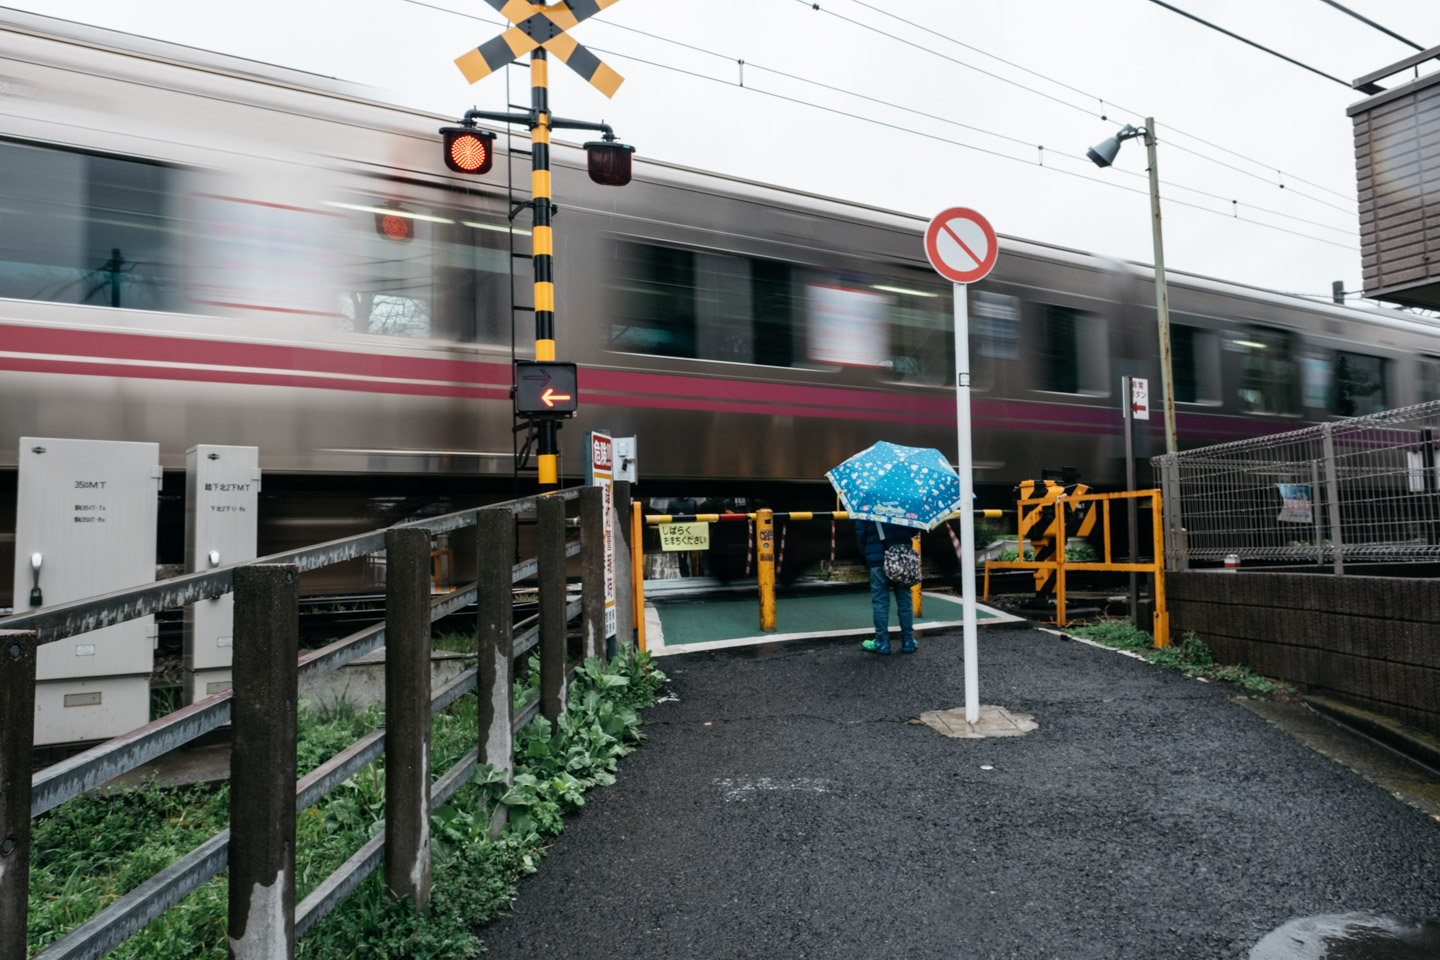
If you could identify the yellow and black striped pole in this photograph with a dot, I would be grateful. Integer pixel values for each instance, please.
(543, 250)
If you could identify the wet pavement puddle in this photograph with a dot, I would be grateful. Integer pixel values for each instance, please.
(1351, 936)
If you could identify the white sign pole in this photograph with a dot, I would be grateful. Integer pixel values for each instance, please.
(965, 467)
(961, 245)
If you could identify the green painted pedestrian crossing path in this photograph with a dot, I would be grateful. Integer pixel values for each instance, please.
(684, 625)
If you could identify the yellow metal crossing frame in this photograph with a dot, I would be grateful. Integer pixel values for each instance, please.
(1058, 566)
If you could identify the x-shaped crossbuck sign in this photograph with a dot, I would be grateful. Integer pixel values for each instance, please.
(541, 26)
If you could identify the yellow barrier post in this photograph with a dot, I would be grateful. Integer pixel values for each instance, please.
(1060, 504)
(917, 603)
(765, 555)
(1162, 616)
(637, 573)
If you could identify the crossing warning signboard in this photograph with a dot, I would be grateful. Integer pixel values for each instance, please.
(536, 25)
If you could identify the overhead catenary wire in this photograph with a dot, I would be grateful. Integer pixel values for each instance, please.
(968, 146)
(1087, 95)
(1227, 214)
(1062, 102)
(1368, 22)
(1257, 46)
(1040, 148)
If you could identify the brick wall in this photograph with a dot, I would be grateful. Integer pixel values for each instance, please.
(1371, 641)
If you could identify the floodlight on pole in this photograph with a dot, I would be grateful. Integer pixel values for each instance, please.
(1102, 155)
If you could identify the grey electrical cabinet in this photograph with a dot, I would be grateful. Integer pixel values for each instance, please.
(222, 493)
(84, 526)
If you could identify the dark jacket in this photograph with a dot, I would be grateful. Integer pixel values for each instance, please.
(872, 547)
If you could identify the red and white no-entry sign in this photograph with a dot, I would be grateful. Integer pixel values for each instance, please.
(961, 245)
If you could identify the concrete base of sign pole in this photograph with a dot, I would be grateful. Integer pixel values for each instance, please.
(993, 722)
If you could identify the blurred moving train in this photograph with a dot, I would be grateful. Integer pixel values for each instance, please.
(196, 249)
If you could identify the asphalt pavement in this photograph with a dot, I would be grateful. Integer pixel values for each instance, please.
(787, 805)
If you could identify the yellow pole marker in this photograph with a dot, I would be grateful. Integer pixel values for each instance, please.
(917, 602)
(1060, 562)
(1162, 616)
(765, 553)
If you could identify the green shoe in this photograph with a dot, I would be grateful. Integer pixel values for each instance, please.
(876, 646)
(909, 646)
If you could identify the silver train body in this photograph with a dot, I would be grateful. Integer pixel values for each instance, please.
(194, 250)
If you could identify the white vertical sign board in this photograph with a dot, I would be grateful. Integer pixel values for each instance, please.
(1139, 398)
(962, 247)
(600, 472)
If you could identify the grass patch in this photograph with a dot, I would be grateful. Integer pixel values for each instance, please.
(92, 850)
(1190, 656)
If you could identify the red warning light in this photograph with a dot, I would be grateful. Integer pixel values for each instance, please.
(468, 150)
(395, 228)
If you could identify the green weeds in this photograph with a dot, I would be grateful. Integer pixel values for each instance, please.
(1076, 551)
(92, 850)
(1190, 655)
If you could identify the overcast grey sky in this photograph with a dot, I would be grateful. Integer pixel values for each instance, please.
(956, 126)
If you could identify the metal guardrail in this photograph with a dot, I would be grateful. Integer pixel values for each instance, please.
(23, 797)
(1358, 489)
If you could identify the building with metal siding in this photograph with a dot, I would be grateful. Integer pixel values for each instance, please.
(1397, 166)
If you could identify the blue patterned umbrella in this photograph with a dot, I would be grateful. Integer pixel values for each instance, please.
(906, 486)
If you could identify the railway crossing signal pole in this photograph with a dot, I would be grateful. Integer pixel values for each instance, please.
(536, 29)
(542, 249)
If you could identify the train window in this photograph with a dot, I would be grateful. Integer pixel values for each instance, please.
(1359, 384)
(1073, 351)
(440, 274)
(922, 332)
(995, 324)
(1266, 370)
(85, 228)
(658, 317)
(1317, 377)
(774, 303)
(1428, 383)
(708, 306)
(845, 324)
(1194, 364)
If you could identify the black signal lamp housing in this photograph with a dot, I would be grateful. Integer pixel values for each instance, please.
(609, 162)
(468, 149)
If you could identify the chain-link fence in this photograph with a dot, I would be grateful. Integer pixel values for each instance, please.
(1361, 489)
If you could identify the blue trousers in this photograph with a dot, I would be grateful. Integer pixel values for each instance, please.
(880, 606)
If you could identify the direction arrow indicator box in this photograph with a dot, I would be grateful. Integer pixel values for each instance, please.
(546, 388)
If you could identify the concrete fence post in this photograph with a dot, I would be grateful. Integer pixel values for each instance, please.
(550, 554)
(261, 923)
(495, 632)
(592, 572)
(18, 650)
(407, 715)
